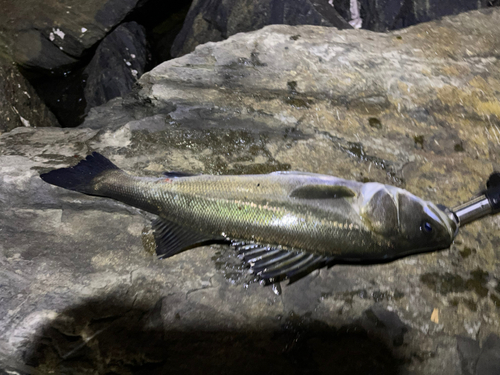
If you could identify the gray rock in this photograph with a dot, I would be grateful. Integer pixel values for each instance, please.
(212, 21)
(117, 64)
(80, 289)
(20, 105)
(51, 35)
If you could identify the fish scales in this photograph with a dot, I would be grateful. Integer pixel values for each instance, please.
(249, 207)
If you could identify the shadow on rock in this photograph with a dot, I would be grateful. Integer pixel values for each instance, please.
(106, 337)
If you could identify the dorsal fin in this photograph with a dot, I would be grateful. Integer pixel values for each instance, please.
(322, 191)
(298, 173)
(178, 174)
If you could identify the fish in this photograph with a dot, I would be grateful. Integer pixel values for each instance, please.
(284, 224)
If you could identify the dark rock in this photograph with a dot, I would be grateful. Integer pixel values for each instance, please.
(117, 64)
(212, 21)
(386, 323)
(469, 351)
(343, 8)
(476, 360)
(397, 14)
(163, 21)
(51, 35)
(489, 360)
(63, 94)
(20, 105)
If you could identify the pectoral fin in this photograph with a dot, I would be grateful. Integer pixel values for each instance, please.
(322, 191)
(172, 239)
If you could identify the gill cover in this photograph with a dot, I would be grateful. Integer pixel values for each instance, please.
(408, 222)
(379, 209)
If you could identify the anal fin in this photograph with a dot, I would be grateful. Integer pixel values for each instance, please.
(172, 238)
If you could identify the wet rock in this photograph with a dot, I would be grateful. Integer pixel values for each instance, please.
(20, 105)
(52, 35)
(80, 289)
(117, 64)
(212, 21)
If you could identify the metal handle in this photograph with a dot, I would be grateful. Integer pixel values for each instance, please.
(472, 210)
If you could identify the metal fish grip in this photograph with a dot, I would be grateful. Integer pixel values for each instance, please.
(485, 204)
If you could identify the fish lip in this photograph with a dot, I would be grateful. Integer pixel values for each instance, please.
(447, 216)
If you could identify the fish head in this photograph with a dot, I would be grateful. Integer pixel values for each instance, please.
(409, 223)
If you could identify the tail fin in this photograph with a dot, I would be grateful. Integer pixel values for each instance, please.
(80, 177)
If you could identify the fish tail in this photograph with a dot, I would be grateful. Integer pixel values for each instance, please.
(81, 177)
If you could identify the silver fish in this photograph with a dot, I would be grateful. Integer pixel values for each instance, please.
(284, 224)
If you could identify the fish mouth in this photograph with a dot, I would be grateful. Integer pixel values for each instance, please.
(447, 217)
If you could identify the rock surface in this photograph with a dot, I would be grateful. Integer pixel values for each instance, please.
(20, 104)
(80, 290)
(212, 21)
(118, 62)
(51, 35)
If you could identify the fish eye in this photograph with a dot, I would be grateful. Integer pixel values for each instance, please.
(426, 227)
